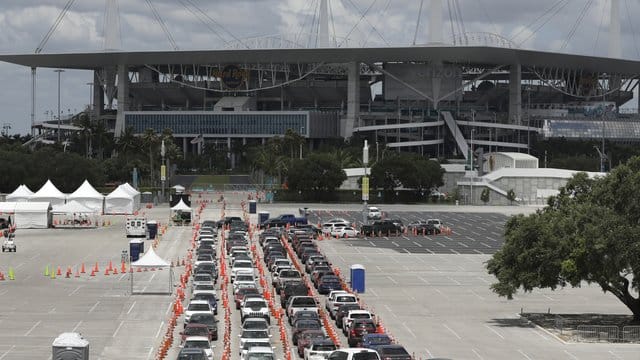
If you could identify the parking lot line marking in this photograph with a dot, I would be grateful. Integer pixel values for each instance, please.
(390, 311)
(495, 331)
(94, 306)
(34, 256)
(33, 328)
(117, 329)
(392, 280)
(379, 268)
(454, 280)
(610, 352)
(483, 280)
(374, 292)
(441, 293)
(407, 251)
(19, 265)
(571, 355)
(131, 308)
(539, 334)
(395, 243)
(123, 276)
(76, 290)
(4, 292)
(485, 244)
(478, 252)
(476, 294)
(455, 252)
(417, 244)
(525, 355)
(409, 330)
(463, 244)
(150, 353)
(451, 331)
(159, 329)
(8, 351)
(428, 352)
(52, 310)
(77, 326)
(477, 354)
(439, 243)
(372, 244)
(548, 297)
(152, 276)
(490, 238)
(423, 279)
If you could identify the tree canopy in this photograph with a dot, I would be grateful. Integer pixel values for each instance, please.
(406, 170)
(589, 233)
(317, 172)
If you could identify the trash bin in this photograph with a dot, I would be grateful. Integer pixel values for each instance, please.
(136, 247)
(252, 206)
(262, 217)
(357, 278)
(152, 229)
(70, 346)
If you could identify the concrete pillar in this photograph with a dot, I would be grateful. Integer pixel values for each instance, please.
(515, 94)
(353, 99)
(123, 98)
(184, 146)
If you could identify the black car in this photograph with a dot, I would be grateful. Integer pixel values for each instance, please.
(271, 223)
(393, 352)
(293, 288)
(192, 354)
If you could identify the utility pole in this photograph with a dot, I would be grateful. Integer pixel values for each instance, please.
(365, 181)
(59, 71)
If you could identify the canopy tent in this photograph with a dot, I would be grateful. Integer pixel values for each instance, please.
(74, 214)
(181, 206)
(88, 196)
(135, 193)
(49, 193)
(152, 260)
(28, 215)
(181, 213)
(179, 189)
(119, 201)
(21, 194)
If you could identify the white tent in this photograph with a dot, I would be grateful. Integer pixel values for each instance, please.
(119, 202)
(49, 193)
(72, 207)
(135, 193)
(178, 188)
(152, 260)
(88, 196)
(32, 215)
(22, 193)
(181, 206)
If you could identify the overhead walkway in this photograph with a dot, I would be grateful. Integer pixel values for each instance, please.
(457, 134)
(399, 126)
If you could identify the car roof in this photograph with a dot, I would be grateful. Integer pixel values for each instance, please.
(196, 338)
(198, 302)
(261, 349)
(193, 325)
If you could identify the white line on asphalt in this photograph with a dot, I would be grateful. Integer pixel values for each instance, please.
(463, 244)
(539, 334)
(454, 280)
(150, 353)
(4, 291)
(19, 265)
(417, 244)
(152, 276)
(453, 332)
(439, 243)
(409, 330)
(117, 329)
(483, 280)
(525, 355)
(490, 238)
(407, 251)
(131, 308)
(571, 355)
(8, 351)
(548, 297)
(476, 294)
(422, 279)
(485, 244)
(52, 310)
(77, 326)
(455, 252)
(122, 276)
(494, 331)
(32, 328)
(34, 256)
(478, 252)
(392, 280)
(372, 244)
(94, 306)
(76, 290)
(379, 268)
(470, 238)
(394, 260)
(428, 352)
(159, 329)
(390, 311)
(168, 308)
(374, 292)
(610, 352)
(395, 243)
(477, 354)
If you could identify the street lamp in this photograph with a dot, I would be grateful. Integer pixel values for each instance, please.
(472, 170)
(90, 95)
(59, 71)
(301, 134)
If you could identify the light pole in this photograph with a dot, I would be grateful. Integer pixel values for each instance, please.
(59, 71)
(472, 170)
(302, 137)
(365, 180)
(90, 97)
(163, 168)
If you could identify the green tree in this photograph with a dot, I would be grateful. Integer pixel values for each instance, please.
(511, 196)
(484, 196)
(150, 141)
(589, 233)
(317, 172)
(406, 170)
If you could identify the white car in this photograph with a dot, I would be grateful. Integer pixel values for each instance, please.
(251, 344)
(374, 213)
(354, 354)
(320, 348)
(244, 266)
(204, 289)
(259, 353)
(202, 279)
(254, 307)
(253, 335)
(244, 280)
(354, 314)
(344, 232)
(199, 342)
(437, 223)
(195, 307)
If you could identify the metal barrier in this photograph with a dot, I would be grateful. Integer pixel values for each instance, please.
(597, 333)
(559, 323)
(631, 334)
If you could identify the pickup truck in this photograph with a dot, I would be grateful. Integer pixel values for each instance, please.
(301, 303)
(385, 227)
(285, 275)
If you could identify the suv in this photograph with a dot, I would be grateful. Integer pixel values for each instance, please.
(354, 354)
(9, 244)
(374, 214)
(358, 328)
(254, 307)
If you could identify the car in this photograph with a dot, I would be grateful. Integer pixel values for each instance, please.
(319, 347)
(437, 223)
(204, 288)
(393, 352)
(301, 303)
(244, 266)
(344, 232)
(372, 341)
(282, 263)
(240, 293)
(213, 301)
(374, 213)
(358, 328)
(202, 279)
(306, 337)
(293, 288)
(338, 298)
(192, 354)
(284, 276)
(209, 320)
(203, 258)
(196, 306)
(301, 325)
(354, 354)
(195, 329)
(251, 344)
(399, 224)
(308, 315)
(9, 244)
(244, 280)
(253, 335)
(343, 310)
(259, 353)
(329, 283)
(337, 221)
(252, 323)
(353, 315)
(199, 342)
(255, 308)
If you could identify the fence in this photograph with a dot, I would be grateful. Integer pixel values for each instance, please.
(606, 333)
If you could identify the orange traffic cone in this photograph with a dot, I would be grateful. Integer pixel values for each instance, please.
(93, 273)
(123, 268)
(106, 271)
(139, 270)
(82, 269)
(96, 268)
(59, 272)
(115, 270)
(110, 265)
(77, 273)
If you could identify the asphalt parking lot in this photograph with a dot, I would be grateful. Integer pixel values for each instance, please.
(472, 233)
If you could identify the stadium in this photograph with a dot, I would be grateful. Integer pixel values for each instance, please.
(440, 100)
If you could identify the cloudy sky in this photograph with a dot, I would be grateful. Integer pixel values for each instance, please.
(551, 25)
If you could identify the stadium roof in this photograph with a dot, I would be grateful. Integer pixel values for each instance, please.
(471, 55)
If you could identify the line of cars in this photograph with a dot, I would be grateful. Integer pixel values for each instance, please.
(342, 228)
(357, 324)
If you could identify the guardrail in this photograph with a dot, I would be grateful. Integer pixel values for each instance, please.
(607, 333)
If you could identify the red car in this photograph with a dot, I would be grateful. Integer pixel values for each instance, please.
(306, 337)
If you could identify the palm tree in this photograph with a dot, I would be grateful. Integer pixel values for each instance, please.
(150, 142)
(127, 142)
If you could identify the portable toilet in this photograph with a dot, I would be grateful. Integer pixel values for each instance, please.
(70, 346)
(152, 229)
(357, 278)
(263, 216)
(253, 207)
(136, 247)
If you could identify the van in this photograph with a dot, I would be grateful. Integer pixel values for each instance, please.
(136, 227)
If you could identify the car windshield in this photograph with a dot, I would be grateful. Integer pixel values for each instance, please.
(346, 299)
(379, 340)
(304, 302)
(204, 287)
(197, 344)
(360, 316)
(260, 356)
(250, 344)
(203, 319)
(366, 356)
(255, 325)
(198, 307)
(394, 351)
(196, 331)
(308, 324)
(327, 347)
(202, 278)
(255, 334)
(204, 296)
(242, 265)
(253, 304)
(244, 278)
(330, 278)
(191, 356)
(290, 274)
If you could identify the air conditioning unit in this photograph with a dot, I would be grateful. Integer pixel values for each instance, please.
(70, 346)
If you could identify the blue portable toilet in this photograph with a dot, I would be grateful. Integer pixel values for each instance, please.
(152, 229)
(262, 217)
(253, 207)
(136, 247)
(357, 278)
